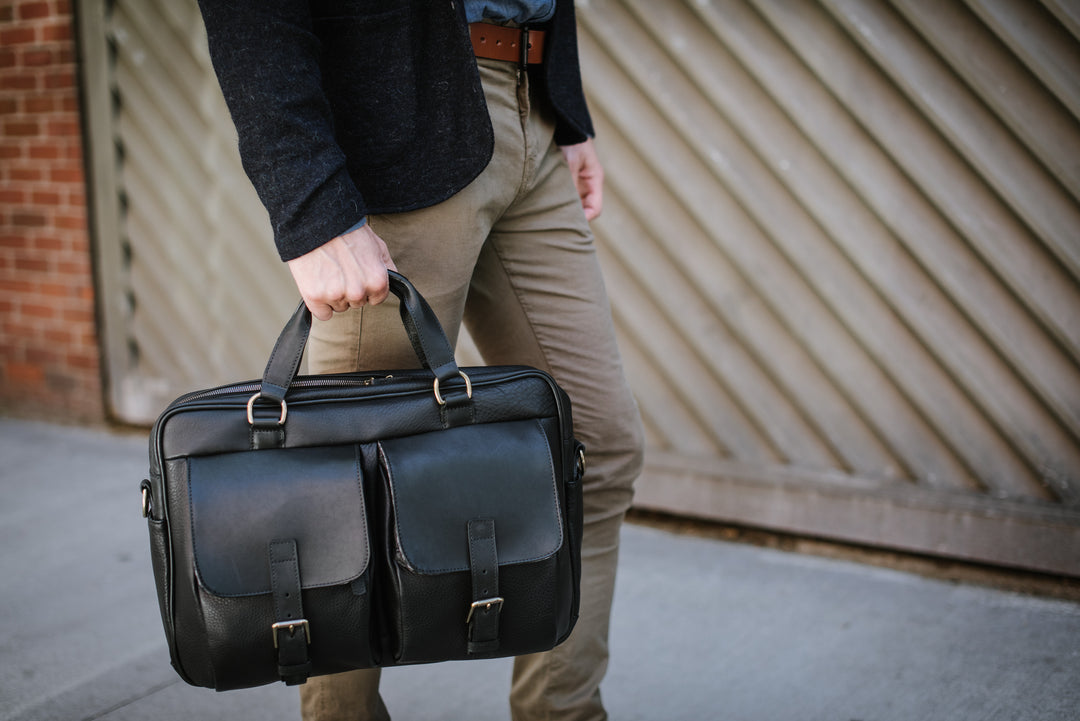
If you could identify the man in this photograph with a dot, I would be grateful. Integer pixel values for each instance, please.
(413, 136)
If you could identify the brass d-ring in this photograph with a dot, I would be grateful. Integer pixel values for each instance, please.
(468, 389)
(251, 410)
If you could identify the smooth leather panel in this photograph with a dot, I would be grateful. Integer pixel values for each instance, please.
(242, 501)
(440, 481)
(326, 415)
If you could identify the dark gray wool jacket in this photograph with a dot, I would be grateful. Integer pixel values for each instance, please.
(346, 108)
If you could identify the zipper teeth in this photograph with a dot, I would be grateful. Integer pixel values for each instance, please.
(255, 386)
(302, 383)
(324, 382)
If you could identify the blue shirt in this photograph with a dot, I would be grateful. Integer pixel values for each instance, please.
(518, 11)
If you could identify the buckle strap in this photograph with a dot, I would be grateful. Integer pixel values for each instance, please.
(294, 666)
(516, 45)
(483, 617)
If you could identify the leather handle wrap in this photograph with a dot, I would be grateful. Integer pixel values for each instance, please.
(426, 334)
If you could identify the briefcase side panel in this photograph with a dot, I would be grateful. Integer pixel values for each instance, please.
(191, 643)
(160, 561)
(573, 514)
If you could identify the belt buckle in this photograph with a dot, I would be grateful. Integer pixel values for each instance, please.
(291, 627)
(487, 603)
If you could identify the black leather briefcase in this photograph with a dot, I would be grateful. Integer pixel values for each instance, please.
(306, 525)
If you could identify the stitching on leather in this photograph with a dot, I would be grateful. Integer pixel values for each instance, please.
(357, 459)
(554, 483)
(478, 543)
(274, 563)
(294, 364)
(418, 327)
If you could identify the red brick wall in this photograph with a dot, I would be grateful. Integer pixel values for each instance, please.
(49, 357)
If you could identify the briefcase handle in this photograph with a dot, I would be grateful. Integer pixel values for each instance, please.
(424, 330)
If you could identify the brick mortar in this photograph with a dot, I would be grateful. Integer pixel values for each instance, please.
(49, 356)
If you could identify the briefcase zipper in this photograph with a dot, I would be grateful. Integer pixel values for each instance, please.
(298, 383)
(254, 387)
(326, 382)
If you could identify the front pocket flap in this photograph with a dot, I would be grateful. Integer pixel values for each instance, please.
(442, 480)
(242, 501)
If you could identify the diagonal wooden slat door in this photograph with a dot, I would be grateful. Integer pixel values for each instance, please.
(195, 292)
(860, 220)
(841, 237)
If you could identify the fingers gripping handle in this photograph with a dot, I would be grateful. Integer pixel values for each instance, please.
(422, 326)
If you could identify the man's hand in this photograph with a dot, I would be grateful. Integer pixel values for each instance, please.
(588, 176)
(348, 272)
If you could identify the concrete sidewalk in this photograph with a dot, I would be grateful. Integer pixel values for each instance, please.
(702, 629)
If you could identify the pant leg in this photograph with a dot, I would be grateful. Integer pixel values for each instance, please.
(537, 297)
(437, 249)
(352, 696)
(514, 254)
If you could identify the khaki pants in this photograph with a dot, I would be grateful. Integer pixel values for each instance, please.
(512, 257)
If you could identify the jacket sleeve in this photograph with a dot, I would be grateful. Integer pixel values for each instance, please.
(266, 58)
(563, 79)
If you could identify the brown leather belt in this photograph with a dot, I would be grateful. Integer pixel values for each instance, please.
(496, 42)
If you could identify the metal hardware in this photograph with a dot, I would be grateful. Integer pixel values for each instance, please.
(291, 627)
(468, 389)
(486, 604)
(145, 502)
(524, 48)
(581, 461)
(251, 410)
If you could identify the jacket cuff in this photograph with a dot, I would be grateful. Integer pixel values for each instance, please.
(568, 135)
(332, 209)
